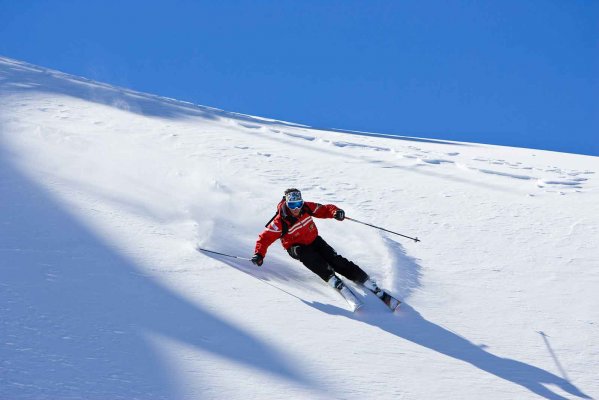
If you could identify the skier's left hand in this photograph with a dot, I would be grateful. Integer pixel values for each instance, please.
(339, 215)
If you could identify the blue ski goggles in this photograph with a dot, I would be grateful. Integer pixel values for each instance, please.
(294, 205)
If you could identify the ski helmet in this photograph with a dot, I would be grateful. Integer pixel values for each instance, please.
(293, 199)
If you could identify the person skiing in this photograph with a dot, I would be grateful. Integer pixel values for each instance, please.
(294, 225)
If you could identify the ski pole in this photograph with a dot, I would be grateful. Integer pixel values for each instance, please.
(247, 273)
(383, 229)
(223, 254)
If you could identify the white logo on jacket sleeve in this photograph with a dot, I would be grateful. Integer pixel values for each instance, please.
(273, 228)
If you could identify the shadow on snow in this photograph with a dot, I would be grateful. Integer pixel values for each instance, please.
(77, 319)
(409, 324)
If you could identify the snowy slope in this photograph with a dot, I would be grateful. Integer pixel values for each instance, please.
(105, 192)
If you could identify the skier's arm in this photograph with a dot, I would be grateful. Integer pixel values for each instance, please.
(322, 210)
(268, 236)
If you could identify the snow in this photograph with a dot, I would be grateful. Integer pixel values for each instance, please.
(106, 192)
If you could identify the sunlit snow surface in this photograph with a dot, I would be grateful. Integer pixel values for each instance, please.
(105, 194)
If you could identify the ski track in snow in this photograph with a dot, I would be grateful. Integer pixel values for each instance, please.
(548, 178)
(106, 193)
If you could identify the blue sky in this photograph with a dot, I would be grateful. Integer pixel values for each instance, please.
(511, 72)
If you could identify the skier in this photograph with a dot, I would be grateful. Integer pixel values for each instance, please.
(293, 224)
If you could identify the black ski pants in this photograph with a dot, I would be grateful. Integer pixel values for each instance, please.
(324, 261)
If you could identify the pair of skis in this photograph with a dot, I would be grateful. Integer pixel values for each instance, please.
(355, 303)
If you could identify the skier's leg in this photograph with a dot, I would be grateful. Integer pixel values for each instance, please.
(314, 261)
(339, 263)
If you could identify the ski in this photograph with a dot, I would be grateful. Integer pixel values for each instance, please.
(346, 292)
(351, 298)
(385, 297)
(390, 301)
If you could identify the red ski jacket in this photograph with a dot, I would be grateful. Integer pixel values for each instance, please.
(292, 230)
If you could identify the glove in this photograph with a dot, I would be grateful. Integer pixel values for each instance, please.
(258, 259)
(339, 215)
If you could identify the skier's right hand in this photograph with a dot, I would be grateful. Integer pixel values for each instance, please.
(258, 259)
